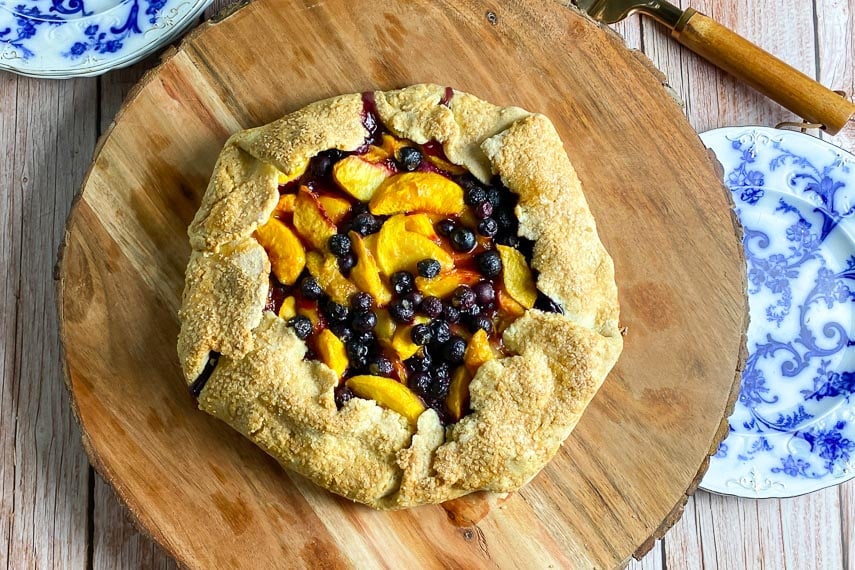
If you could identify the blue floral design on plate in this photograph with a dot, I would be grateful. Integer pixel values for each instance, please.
(792, 430)
(69, 38)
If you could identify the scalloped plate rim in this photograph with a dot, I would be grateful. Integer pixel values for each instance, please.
(804, 486)
(122, 58)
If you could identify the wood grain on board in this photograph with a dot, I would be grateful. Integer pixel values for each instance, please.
(117, 543)
(631, 459)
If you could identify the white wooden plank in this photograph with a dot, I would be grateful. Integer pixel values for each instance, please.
(836, 46)
(630, 29)
(654, 560)
(10, 228)
(847, 517)
(47, 148)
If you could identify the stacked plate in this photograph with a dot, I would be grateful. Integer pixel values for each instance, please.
(75, 38)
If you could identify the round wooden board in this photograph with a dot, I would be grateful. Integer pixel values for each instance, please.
(210, 497)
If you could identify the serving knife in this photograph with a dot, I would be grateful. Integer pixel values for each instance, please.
(731, 52)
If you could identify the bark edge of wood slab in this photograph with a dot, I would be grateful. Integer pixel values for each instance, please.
(210, 497)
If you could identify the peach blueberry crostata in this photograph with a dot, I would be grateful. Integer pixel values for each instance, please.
(400, 295)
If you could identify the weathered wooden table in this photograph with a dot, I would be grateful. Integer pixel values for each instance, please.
(56, 513)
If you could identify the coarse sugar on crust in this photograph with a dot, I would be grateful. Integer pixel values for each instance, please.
(523, 406)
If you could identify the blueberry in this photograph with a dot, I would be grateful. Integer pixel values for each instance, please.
(489, 263)
(402, 310)
(420, 383)
(463, 297)
(421, 334)
(509, 240)
(343, 395)
(402, 282)
(419, 363)
(410, 158)
(362, 301)
(342, 331)
(483, 210)
(311, 289)
(440, 331)
(357, 352)
(364, 321)
(339, 245)
(474, 195)
(346, 263)
(438, 388)
(451, 314)
(445, 227)
(336, 312)
(494, 197)
(302, 326)
(480, 322)
(333, 154)
(415, 297)
(488, 227)
(442, 371)
(368, 338)
(431, 306)
(472, 311)
(462, 239)
(484, 292)
(380, 366)
(454, 349)
(429, 268)
(321, 166)
(365, 223)
(507, 221)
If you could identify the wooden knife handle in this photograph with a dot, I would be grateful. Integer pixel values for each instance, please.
(763, 71)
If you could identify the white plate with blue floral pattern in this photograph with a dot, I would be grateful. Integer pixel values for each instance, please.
(792, 430)
(74, 38)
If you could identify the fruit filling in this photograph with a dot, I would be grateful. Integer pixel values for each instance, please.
(399, 269)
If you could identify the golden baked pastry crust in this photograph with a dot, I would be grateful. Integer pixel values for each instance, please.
(523, 406)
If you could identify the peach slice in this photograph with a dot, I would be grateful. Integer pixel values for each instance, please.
(507, 304)
(458, 392)
(392, 144)
(288, 310)
(310, 221)
(443, 164)
(398, 249)
(358, 177)
(366, 275)
(422, 225)
(517, 276)
(389, 394)
(375, 154)
(296, 172)
(478, 351)
(385, 327)
(332, 353)
(325, 270)
(401, 341)
(335, 208)
(287, 257)
(286, 204)
(445, 283)
(418, 191)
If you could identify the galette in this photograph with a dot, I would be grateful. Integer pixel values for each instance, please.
(400, 295)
